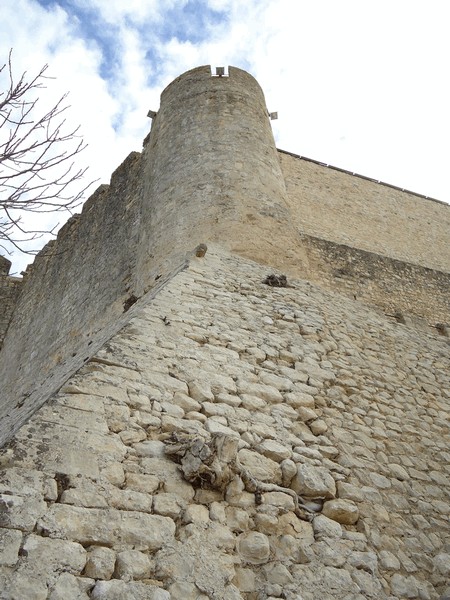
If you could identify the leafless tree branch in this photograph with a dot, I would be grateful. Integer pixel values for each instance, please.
(38, 156)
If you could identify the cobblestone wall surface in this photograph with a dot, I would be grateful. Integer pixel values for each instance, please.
(398, 288)
(237, 440)
(336, 206)
(209, 170)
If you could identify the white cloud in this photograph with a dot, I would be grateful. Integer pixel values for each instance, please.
(361, 85)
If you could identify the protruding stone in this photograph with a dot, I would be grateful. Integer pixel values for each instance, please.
(10, 541)
(254, 547)
(132, 564)
(274, 450)
(326, 528)
(118, 590)
(260, 467)
(343, 511)
(100, 563)
(314, 482)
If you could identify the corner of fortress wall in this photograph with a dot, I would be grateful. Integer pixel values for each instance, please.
(177, 428)
(210, 172)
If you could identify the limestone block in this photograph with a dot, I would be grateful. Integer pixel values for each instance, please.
(288, 470)
(67, 587)
(404, 587)
(181, 488)
(114, 473)
(283, 384)
(132, 564)
(18, 512)
(183, 590)
(168, 504)
(216, 408)
(398, 472)
(278, 500)
(150, 448)
(237, 519)
(196, 513)
(45, 554)
(130, 500)
(274, 450)
(32, 586)
(287, 548)
(332, 553)
(82, 491)
(300, 399)
(10, 541)
(349, 492)
(313, 482)
(93, 526)
(170, 424)
(253, 547)
(259, 466)
(215, 427)
(367, 561)
(343, 511)
(185, 402)
(306, 414)
(22, 481)
(245, 580)
(277, 573)
(326, 528)
(265, 392)
(217, 512)
(100, 563)
(132, 436)
(388, 561)
(200, 391)
(118, 590)
(368, 584)
(442, 564)
(142, 483)
(318, 427)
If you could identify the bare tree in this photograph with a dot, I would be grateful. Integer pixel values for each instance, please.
(37, 157)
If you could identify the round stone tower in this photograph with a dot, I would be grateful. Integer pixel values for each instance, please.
(212, 172)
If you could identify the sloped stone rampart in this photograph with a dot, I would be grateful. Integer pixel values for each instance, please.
(209, 171)
(341, 404)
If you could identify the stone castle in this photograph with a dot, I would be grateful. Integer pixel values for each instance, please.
(229, 377)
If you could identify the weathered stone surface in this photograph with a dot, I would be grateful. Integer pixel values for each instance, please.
(55, 554)
(118, 590)
(10, 542)
(19, 512)
(260, 467)
(442, 564)
(343, 511)
(68, 587)
(132, 564)
(93, 526)
(314, 482)
(100, 563)
(168, 505)
(253, 547)
(326, 528)
(274, 450)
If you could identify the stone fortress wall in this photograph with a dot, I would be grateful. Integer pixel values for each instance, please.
(9, 291)
(214, 437)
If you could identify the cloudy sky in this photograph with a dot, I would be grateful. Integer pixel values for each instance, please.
(358, 84)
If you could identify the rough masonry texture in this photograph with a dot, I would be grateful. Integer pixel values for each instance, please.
(229, 377)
